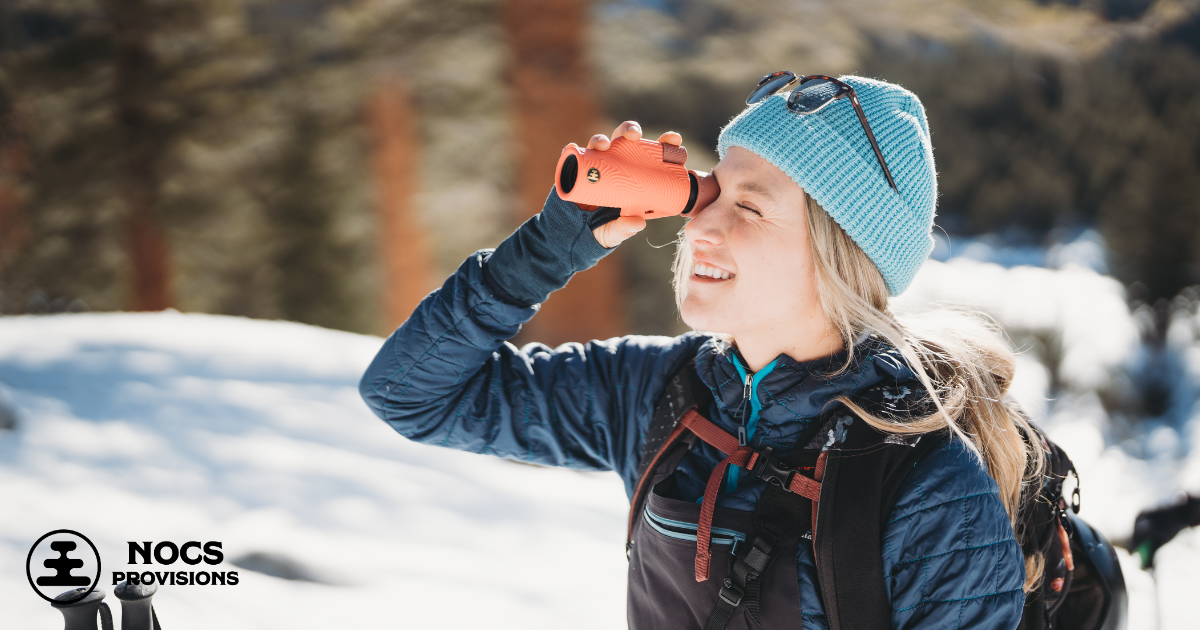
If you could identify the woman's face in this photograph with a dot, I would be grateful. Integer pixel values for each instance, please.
(753, 267)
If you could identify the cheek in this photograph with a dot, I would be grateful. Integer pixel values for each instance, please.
(775, 284)
(780, 276)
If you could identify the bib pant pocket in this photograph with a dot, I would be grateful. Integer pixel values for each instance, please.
(663, 591)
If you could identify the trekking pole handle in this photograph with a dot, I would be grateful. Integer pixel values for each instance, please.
(137, 611)
(81, 614)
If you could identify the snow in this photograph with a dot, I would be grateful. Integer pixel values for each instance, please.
(169, 426)
(1082, 248)
(1083, 310)
(136, 427)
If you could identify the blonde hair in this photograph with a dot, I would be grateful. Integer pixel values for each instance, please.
(960, 357)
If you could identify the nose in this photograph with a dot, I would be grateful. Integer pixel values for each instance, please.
(707, 227)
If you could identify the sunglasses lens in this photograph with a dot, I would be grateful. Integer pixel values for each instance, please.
(811, 96)
(769, 85)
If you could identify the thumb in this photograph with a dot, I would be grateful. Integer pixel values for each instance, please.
(616, 232)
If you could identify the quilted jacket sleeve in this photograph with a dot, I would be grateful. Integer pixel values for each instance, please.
(950, 558)
(448, 377)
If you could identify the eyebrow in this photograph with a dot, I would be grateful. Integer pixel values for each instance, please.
(756, 188)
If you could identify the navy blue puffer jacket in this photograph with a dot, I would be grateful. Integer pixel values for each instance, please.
(448, 377)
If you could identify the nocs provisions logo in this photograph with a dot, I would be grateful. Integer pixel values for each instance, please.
(63, 560)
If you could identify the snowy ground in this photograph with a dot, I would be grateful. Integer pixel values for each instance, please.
(193, 427)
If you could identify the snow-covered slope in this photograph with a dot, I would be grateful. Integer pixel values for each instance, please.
(193, 427)
(136, 427)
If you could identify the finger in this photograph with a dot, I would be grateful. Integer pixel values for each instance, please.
(616, 232)
(671, 137)
(599, 142)
(630, 130)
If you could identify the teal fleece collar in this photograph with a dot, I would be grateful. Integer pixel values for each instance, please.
(787, 394)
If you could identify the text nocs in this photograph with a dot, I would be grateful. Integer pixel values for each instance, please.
(192, 552)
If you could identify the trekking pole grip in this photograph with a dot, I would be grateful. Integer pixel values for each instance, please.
(137, 611)
(81, 614)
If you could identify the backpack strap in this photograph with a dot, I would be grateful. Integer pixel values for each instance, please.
(861, 480)
(782, 518)
(675, 415)
(856, 483)
(1041, 522)
(759, 464)
(683, 393)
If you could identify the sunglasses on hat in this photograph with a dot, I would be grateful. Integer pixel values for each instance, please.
(811, 95)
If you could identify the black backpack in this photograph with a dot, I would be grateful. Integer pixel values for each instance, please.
(847, 531)
(1089, 594)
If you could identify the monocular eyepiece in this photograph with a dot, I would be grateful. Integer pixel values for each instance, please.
(570, 171)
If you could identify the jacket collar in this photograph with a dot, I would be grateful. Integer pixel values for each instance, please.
(794, 393)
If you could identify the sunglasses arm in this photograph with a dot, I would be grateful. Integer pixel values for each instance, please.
(862, 118)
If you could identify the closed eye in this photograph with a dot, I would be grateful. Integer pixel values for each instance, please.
(744, 207)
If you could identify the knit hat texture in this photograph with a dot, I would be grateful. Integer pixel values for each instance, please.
(829, 156)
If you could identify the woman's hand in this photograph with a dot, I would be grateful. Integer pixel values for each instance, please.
(616, 232)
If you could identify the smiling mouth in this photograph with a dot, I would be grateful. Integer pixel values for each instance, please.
(709, 272)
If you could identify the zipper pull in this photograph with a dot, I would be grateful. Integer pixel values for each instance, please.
(743, 439)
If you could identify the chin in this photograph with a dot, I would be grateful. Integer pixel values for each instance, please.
(702, 317)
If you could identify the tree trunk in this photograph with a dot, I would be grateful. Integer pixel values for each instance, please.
(149, 253)
(149, 256)
(555, 104)
(404, 248)
(15, 234)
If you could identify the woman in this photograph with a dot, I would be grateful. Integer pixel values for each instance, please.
(788, 272)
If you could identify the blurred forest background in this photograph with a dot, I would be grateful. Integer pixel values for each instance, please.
(331, 161)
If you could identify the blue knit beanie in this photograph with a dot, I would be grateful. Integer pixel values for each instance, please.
(829, 156)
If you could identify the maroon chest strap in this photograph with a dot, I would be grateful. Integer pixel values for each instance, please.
(759, 464)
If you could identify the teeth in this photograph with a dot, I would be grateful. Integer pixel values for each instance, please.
(702, 269)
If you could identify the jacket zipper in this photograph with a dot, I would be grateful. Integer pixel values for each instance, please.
(745, 430)
(743, 437)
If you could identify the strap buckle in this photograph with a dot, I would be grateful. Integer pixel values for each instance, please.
(771, 470)
(730, 593)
